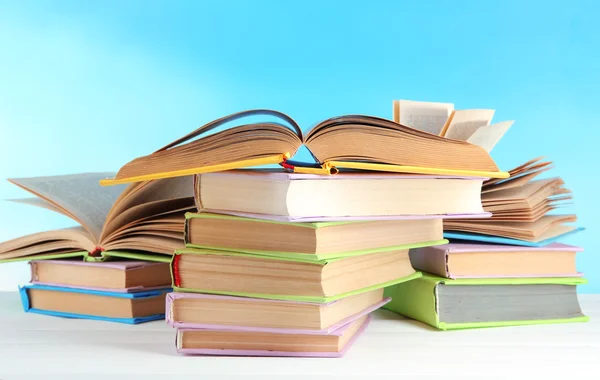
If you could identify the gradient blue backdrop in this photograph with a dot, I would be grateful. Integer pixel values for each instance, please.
(87, 86)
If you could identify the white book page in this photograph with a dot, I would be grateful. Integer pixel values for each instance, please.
(487, 137)
(425, 116)
(38, 202)
(465, 122)
(78, 196)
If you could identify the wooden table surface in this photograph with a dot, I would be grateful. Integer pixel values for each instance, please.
(392, 347)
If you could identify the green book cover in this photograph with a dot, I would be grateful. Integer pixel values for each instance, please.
(296, 255)
(103, 256)
(317, 299)
(420, 300)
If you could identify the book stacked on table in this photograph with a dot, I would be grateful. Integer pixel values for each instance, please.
(292, 261)
(509, 269)
(123, 291)
(115, 265)
(293, 264)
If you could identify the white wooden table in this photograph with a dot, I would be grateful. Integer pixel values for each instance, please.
(392, 347)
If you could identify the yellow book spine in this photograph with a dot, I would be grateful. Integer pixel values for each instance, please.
(416, 169)
(204, 169)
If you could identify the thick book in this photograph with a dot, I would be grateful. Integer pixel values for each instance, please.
(283, 278)
(471, 303)
(309, 240)
(126, 276)
(348, 142)
(130, 308)
(470, 125)
(522, 209)
(210, 311)
(458, 260)
(257, 343)
(142, 221)
(280, 196)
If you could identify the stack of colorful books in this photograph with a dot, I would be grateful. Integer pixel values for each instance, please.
(123, 291)
(509, 269)
(292, 261)
(115, 265)
(272, 268)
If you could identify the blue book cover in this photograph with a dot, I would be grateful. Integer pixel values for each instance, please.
(466, 236)
(146, 294)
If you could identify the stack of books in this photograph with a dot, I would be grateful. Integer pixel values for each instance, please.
(292, 261)
(115, 265)
(509, 269)
(123, 291)
(266, 284)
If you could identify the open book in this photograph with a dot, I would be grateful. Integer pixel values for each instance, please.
(473, 125)
(521, 209)
(128, 221)
(346, 142)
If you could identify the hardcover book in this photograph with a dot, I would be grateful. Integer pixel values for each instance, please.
(126, 276)
(257, 343)
(293, 279)
(143, 221)
(310, 240)
(209, 311)
(130, 308)
(292, 197)
(458, 260)
(470, 303)
(349, 142)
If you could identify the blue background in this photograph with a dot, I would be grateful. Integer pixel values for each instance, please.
(87, 86)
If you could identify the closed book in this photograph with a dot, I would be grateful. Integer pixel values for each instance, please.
(115, 276)
(270, 277)
(130, 308)
(210, 311)
(292, 197)
(257, 343)
(471, 303)
(464, 260)
(309, 240)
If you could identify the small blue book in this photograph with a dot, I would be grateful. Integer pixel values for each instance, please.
(130, 308)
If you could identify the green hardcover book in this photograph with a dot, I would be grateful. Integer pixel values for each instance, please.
(314, 241)
(142, 221)
(284, 278)
(471, 303)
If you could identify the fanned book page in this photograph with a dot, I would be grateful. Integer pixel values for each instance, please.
(143, 218)
(522, 207)
(430, 117)
(349, 141)
(463, 123)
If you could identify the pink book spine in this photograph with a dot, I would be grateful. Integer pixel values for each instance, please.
(227, 352)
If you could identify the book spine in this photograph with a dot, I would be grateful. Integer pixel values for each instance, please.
(175, 270)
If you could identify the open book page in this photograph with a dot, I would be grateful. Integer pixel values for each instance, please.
(520, 171)
(148, 243)
(517, 182)
(80, 196)
(64, 240)
(144, 200)
(147, 211)
(465, 122)
(487, 137)
(39, 202)
(428, 117)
